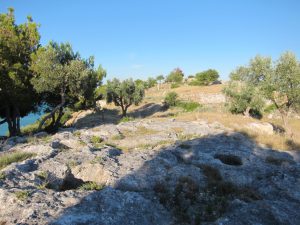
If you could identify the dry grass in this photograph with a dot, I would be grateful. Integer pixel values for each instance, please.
(238, 123)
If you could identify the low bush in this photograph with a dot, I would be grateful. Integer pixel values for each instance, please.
(171, 99)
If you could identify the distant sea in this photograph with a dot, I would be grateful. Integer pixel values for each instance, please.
(31, 118)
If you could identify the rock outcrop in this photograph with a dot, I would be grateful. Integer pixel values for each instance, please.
(156, 172)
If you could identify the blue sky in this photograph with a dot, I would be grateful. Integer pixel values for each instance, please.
(135, 38)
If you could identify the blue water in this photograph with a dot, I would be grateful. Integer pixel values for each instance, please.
(31, 118)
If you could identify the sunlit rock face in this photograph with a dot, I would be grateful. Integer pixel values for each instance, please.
(149, 172)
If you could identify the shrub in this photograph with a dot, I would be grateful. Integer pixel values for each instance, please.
(171, 99)
(10, 158)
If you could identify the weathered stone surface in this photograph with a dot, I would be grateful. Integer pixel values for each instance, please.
(184, 164)
(265, 127)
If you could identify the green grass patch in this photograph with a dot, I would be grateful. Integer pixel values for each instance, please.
(188, 106)
(2, 176)
(126, 119)
(96, 139)
(89, 186)
(10, 158)
(118, 137)
(22, 195)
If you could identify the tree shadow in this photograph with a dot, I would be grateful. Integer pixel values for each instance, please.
(224, 177)
(94, 119)
(147, 110)
(112, 116)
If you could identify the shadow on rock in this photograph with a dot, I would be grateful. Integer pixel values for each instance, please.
(218, 179)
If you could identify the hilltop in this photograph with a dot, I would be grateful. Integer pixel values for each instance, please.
(156, 166)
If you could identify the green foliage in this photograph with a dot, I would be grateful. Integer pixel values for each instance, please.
(175, 85)
(17, 95)
(188, 106)
(22, 195)
(66, 116)
(96, 139)
(124, 93)
(278, 82)
(270, 108)
(242, 97)
(176, 76)
(126, 119)
(151, 82)
(171, 99)
(89, 186)
(2, 175)
(100, 92)
(9, 158)
(64, 79)
(160, 78)
(206, 77)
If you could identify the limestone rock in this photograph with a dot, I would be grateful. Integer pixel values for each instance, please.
(265, 128)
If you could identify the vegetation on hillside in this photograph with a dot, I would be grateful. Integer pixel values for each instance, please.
(205, 78)
(263, 81)
(124, 94)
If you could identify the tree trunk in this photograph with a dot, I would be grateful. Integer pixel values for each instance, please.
(18, 128)
(124, 111)
(288, 130)
(57, 122)
(61, 105)
(247, 112)
(9, 122)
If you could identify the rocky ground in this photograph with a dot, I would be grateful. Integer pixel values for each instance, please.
(149, 171)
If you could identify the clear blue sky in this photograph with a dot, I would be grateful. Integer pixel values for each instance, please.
(141, 38)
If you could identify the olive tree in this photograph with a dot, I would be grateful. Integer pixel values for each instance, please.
(282, 87)
(124, 93)
(160, 79)
(17, 95)
(63, 78)
(206, 77)
(278, 82)
(176, 76)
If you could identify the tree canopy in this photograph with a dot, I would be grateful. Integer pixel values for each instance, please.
(17, 96)
(277, 82)
(64, 78)
(124, 94)
(206, 77)
(176, 76)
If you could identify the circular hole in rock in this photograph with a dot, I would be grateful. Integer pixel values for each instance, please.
(228, 159)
